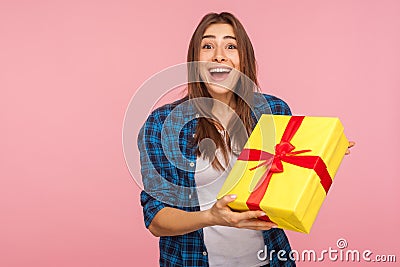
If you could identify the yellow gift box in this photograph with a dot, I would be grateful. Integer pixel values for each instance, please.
(286, 168)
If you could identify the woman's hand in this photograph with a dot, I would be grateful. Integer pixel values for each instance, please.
(221, 214)
(351, 144)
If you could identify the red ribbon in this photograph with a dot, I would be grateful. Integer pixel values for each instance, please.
(283, 152)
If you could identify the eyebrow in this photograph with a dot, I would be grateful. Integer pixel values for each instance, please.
(214, 37)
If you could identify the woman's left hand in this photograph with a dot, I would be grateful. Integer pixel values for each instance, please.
(351, 144)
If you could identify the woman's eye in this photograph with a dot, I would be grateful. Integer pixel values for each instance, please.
(231, 46)
(207, 46)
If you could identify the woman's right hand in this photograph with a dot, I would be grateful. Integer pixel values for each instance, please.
(221, 214)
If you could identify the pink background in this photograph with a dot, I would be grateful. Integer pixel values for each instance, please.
(69, 68)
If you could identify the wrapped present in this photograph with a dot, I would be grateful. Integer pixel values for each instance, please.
(286, 169)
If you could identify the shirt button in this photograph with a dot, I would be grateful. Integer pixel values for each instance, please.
(191, 164)
(205, 253)
(197, 115)
(190, 196)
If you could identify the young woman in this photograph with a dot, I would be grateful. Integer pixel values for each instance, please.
(182, 174)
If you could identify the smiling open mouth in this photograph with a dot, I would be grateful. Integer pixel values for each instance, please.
(219, 74)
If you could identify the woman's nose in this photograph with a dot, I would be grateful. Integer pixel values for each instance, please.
(219, 56)
(219, 59)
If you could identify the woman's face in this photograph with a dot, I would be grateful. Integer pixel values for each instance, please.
(222, 64)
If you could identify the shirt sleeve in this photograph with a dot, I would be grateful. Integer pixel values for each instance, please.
(151, 207)
(152, 161)
(278, 106)
(284, 108)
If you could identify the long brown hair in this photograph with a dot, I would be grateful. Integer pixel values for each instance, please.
(243, 90)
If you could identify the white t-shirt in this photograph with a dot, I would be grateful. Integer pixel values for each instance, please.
(226, 246)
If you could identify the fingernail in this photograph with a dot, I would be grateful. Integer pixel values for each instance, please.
(233, 196)
(262, 214)
(274, 226)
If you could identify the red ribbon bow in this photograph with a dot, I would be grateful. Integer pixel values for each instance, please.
(283, 152)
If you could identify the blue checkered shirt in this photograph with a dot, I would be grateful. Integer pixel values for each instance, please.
(168, 161)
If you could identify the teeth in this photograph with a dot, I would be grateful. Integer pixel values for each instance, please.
(220, 70)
